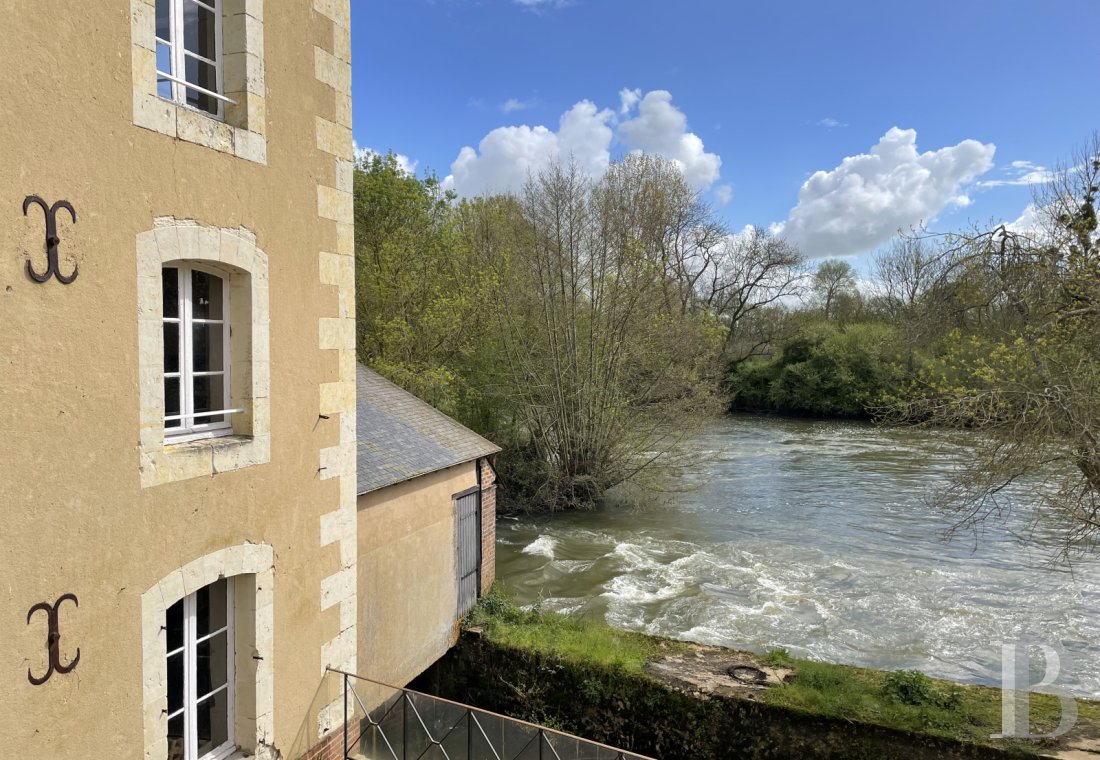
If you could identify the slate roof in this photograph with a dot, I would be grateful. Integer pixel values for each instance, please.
(401, 437)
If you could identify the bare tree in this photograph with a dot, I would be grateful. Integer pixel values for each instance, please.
(749, 274)
(1030, 384)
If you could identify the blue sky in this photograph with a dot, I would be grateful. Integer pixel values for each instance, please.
(752, 98)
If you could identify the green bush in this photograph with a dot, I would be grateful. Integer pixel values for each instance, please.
(823, 370)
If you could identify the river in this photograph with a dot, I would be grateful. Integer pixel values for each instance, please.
(814, 536)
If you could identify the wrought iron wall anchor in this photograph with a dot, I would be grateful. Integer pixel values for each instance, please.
(52, 240)
(53, 639)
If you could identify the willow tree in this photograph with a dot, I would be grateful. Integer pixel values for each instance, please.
(606, 360)
(1030, 381)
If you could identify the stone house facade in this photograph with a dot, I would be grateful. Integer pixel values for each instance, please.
(180, 550)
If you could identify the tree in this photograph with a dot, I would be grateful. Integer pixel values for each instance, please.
(747, 279)
(423, 303)
(606, 359)
(833, 282)
(1030, 383)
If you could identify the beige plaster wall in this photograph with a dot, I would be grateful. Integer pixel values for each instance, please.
(408, 593)
(74, 516)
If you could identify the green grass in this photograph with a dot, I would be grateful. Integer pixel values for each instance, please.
(571, 639)
(906, 700)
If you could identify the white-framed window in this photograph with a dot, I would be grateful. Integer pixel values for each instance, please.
(190, 53)
(196, 353)
(200, 660)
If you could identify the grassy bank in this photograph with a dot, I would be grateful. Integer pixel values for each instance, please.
(902, 700)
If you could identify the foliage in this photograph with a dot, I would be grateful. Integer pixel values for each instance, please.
(422, 301)
(606, 363)
(1028, 379)
(834, 289)
(780, 658)
(822, 370)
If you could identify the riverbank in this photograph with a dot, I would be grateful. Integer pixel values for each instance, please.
(670, 698)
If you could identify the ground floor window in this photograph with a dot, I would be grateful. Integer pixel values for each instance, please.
(199, 630)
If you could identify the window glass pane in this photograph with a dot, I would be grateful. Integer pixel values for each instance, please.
(213, 723)
(164, 64)
(204, 75)
(210, 610)
(164, 21)
(173, 626)
(171, 287)
(207, 345)
(171, 347)
(210, 660)
(206, 295)
(172, 402)
(198, 30)
(209, 397)
(175, 737)
(175, 682)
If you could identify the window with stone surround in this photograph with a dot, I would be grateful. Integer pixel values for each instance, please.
(207, 648)
(203, 340)
(198, 69)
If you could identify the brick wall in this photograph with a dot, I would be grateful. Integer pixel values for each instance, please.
(331, 747)
(488, 524)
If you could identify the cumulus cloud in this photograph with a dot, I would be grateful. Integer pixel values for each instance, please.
(1029, 222)
(830, 123)
(864, 201)
(628, 99)
(723, 194)
(586, 134)
(1020, 173)
(404, 163)
(661, 128)
(506, 156)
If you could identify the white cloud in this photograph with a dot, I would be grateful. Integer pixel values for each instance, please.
(628, 99)
(661, 128)
(537, 5)
(506, 156)
(864, 201)
(404, 163)
(831, 123)
(1028, 223)
(586, 134)
(723, 194)
(1020, 173)
(513, 104)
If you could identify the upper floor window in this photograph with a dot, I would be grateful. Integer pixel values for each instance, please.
(189, 54)
(196, 353)
(200, 651)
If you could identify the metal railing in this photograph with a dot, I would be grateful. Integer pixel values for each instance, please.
(382, 722)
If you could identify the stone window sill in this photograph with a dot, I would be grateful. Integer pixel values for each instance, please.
(203, 458)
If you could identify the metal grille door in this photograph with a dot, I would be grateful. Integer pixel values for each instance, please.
(468, 508)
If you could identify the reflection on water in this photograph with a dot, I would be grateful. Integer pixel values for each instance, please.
(813, 536)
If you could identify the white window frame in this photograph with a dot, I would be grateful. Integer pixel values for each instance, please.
(190, 429)
(179, 54)
(191, 699)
